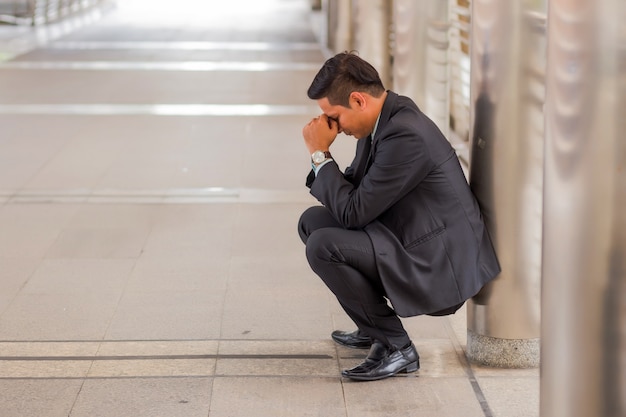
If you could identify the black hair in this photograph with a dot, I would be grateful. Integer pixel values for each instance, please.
(341, 75)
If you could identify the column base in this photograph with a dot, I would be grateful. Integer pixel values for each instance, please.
(502, 353)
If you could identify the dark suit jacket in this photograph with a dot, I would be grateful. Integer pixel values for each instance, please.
(409, 194)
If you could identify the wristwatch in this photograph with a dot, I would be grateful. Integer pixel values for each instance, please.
(318, 157)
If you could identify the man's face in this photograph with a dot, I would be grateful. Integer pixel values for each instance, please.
(351, 121)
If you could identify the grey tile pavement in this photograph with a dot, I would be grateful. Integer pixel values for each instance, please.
(149, 263)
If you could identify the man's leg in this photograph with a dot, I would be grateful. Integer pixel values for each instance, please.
(313, 218)
(344, 259)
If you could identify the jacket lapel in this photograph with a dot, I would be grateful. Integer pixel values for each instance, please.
(385, 115)
(364, 148)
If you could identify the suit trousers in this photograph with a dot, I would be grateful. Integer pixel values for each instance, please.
(344, 260)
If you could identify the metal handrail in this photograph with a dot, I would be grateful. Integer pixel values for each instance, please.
(36, 12)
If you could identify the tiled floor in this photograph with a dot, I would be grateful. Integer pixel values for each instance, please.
(151, 178)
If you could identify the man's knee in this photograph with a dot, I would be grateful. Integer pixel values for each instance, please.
(312, 219)
(319, 248)
(304, 224)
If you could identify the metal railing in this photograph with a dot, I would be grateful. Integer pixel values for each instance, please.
(37, 12)
(460, 67)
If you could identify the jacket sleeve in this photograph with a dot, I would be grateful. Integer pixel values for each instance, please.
(310, 178)
(400, 162)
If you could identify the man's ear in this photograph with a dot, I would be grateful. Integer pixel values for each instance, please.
(359, 99)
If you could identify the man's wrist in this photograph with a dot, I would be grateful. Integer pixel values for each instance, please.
(316, 168)
(318, 157)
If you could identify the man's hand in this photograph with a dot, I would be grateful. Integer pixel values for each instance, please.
(320, 133)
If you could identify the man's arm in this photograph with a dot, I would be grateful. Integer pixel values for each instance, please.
(400, 162)
(318, 135)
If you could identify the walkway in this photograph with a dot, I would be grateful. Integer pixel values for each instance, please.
(151, 177)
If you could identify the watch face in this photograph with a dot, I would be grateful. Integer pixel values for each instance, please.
(318, 157)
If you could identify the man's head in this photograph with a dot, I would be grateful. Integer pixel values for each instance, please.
(349, 91)
(343, 74)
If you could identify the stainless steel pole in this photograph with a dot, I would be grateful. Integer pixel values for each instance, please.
(583, 358)
(339, 24)
(420, 52)
(506, 170)
(371, 34)
(409, 51)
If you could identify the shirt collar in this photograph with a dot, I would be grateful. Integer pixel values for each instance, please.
(376, 125)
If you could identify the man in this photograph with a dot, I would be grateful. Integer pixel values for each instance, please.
(400, 225)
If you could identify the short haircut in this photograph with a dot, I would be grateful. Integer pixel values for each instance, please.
(341, 75)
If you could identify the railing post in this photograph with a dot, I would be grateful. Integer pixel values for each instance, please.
(371, 34)
(420, 66)
(583, 358)
(506, 170)
(339, 25)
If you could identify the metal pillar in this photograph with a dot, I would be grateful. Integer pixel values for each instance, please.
(338, 15)
(506, 170)
(583, 358)
(420, 66)
(409, 52)
(371, 34)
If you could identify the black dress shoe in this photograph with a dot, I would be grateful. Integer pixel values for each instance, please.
(355, 339)
(402, 360)
(377, 352)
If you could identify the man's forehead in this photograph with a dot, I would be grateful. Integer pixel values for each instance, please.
(326, 107)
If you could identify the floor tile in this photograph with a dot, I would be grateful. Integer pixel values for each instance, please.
(96, 242)
(28, 231)
(58, 316)
(277, 367)
(189, 242)
(163, 397)
(179, 273)
(167, 315)
(278, 347)
(246, 324)
(277, 397)
(44, 369)
(276, 358)
(158, 348)
(79, 276)
(511, 396)
(37, 349)
(279, 221)
(411, 396)
(168, 87)
(14, 273)
(43, 397)
(129, 368)
(115, 216)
